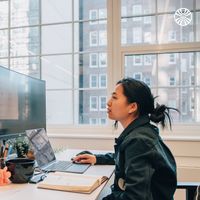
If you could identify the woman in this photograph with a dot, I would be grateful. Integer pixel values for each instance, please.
(145, 168)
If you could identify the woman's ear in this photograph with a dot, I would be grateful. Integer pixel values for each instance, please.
(133, 108)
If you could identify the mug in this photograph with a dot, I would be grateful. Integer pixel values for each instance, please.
(22, 169)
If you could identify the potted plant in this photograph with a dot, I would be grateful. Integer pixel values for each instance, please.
(22, 147)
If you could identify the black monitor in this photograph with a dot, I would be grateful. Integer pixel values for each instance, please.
(22, 103)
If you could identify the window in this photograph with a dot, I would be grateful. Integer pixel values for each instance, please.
(137, 35)
(172, 58)
(172, 81)
(124, 13)
(192, 80)
(171, 36)
(124, 36)
(147, 60)
(147, 20)
(191, 60)
(147, 80)
(93, 103)
(93, 16)
(93, 60)
(184, 107)
(103, 121)
(93, 121)
(192, 103)
(93, 81)
(147, 37)
(102, 103)
(137, 76)
(102, 60)
(68, 50)
(102, 38)
(172, 103)
(102, 80)
(137, 10)
(93, 38)
(102, 15)
(137, 60)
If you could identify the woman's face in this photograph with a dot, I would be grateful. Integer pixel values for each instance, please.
(118, 107)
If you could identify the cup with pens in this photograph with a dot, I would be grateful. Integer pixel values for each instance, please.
(16, 170)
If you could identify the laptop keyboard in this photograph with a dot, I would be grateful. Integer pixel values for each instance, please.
(67, 166)
(60, 165)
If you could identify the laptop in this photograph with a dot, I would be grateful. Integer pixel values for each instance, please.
(45, 155)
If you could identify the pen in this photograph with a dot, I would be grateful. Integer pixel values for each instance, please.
(1, 153)
(5, 153)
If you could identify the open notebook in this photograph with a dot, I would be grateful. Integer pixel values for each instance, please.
(80, 183)
(45, 156)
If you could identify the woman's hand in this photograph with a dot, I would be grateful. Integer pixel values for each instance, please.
(85, 158)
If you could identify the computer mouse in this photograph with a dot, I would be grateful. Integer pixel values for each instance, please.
(84, 152)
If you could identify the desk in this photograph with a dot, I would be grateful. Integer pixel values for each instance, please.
(31, 192)
(188, 179)
(190, 188)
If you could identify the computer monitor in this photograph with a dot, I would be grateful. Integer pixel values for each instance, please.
(22, 103)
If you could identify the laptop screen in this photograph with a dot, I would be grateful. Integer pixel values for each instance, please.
(41, 146)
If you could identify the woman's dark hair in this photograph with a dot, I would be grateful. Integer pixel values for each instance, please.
(139, 92)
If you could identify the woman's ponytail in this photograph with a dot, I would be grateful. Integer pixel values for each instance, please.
(160, 114)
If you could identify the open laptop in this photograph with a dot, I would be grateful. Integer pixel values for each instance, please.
(45, 156)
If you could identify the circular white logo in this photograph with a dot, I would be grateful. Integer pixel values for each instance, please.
(183, 16)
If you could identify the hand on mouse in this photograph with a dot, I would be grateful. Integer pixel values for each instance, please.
(84, 152)
(84, 158)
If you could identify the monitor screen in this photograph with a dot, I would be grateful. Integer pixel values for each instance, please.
(22, 103)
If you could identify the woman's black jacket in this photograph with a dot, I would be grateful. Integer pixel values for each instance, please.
(145, 168)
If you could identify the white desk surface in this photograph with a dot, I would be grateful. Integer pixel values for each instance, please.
(29, 191)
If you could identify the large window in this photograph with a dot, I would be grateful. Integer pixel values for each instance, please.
(82, 48)
(164, 54)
